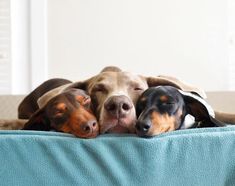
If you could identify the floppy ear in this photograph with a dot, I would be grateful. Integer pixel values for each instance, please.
(201, 110)
(79, 85)
(38, 121)
(84, 85)
(172, 81)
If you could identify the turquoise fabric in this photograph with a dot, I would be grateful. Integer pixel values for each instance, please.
(187, 157)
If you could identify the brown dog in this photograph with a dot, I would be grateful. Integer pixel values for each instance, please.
(53, 106)
(68, 112)
(114, 94)
(29, 105)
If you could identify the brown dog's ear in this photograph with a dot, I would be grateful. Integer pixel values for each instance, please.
(84, 85)
(201, 110)
(172, 81)
(111, 69)
(38, 121)
(79, 85)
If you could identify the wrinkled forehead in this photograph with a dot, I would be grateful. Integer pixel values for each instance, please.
(126, 77)
(120, 80)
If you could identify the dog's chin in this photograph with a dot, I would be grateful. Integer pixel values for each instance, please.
(117, 126)
(144, 135)
(118, 129)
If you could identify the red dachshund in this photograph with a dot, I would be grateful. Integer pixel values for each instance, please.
(66, 111)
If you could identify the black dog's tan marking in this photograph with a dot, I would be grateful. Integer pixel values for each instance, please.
(69, 112)
(163, 108)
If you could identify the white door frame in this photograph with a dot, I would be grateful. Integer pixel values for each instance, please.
(29, 44)
(38, 44)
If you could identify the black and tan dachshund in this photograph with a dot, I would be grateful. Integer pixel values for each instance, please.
(165, 108)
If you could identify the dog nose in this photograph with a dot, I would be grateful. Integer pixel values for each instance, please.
(89, 126)
(118, 106)
(143, 127)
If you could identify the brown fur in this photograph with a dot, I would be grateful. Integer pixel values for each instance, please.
(162, 123)
(109, 81)
(69, 112)
(112, 81)
(29, 104)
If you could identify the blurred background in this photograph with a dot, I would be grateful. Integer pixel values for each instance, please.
(193, 40)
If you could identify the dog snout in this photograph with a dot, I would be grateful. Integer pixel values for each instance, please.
(143, 127)
(118, 106)
(89, 126)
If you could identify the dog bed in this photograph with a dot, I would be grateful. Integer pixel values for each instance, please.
(186, 157)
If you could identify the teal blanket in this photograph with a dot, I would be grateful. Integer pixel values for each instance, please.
(187, 157)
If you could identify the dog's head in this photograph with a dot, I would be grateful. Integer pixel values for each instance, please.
(69, 112)
(114, 94)
(164, 108)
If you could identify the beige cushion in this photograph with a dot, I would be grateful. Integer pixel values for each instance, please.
(9, 105)
(222, 101)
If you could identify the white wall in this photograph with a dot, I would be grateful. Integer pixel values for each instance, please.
(183, 38)
(28, 45)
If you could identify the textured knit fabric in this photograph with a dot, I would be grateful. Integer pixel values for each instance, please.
(188, 157)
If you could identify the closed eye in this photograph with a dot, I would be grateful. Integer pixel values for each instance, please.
(99, 88)
(59, 113)
(59, 109)
(138, 89)
(167, 103)
(135, 86)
